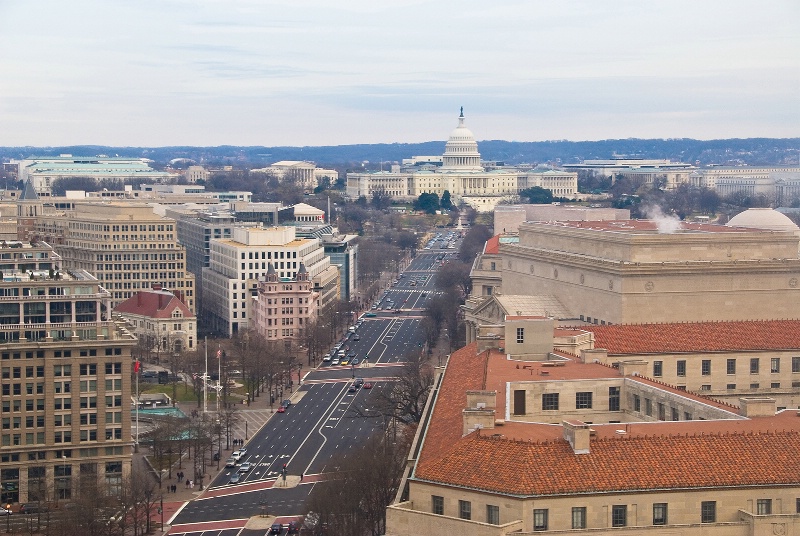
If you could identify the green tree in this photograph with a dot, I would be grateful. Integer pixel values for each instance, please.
(537, 195)
(427, 202)
(446, 203)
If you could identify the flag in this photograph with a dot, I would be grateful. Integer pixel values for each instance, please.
(219, 353)
(137, 366)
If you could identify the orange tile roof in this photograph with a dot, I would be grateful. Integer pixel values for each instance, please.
(492, 246)
(153, 304)
(673, 462)
(534, 459)
(697, 337)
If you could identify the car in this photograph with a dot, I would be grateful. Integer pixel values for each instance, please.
(281, 409)
(4, 512)
(33, 508)
(370, 315)
(216, 456)
(354, 361)
(326, 357)
(244, 468)
(231, 462)
(359, 381)
(351, 389)
(374, 306)
(345, 361)
(367, 385)
(335, 362)
(351, 355)
(356, 337)
(276, 528)
(235, 478)
(286, 403)
(293, 527)
(397, 311)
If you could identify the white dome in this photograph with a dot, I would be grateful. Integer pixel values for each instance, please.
(461, 150)
(763, 218)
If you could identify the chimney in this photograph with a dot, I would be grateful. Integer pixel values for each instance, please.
(480, 411)
(577, 433)
(757, 407)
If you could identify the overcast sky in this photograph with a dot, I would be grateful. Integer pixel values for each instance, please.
(324, 72)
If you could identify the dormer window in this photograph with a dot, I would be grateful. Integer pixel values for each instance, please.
(177, 314)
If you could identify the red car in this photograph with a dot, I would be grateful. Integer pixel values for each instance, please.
(281, 409)
(367, 386)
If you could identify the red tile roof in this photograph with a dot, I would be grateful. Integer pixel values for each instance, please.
(492, 246)
(673, 462)
(153, 304)
(697, 337)
(533, 459)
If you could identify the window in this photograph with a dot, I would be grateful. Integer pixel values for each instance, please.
(659, 513)
(662, 412)
(754, 386)
(465, 509)
(540, 519)
(438, 504)
(681, 367)
(764, 507)
(754, 365)
(658, 368)
(619, 515)
(775, 385)
(705, 387)
(579, 516)
(708, 512)
(648, 407)
(583, 400)
(613, 398)
(796, 364)
(675, 414)
(550, 401)
(731, 386)
(637, 403)
(492, 514)
(520, 335)
(731, 366)
(775, 365)
(706, 367)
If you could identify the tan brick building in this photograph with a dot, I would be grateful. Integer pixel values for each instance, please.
(521, 437)
(65, 389)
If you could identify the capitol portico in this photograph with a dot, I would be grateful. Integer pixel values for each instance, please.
(460, 172)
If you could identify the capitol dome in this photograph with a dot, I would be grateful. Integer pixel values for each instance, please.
(763, 218)
(461, 150)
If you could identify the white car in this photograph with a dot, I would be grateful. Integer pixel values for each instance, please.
(326, 357)
(335, 361)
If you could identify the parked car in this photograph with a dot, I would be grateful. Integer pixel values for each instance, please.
(281, 409)
(367, 386)
(286, 403)
(335, 362)
(4, 512)
(276, 528)
(354, 362)
(359, 381)
(235, 478)
(351, 389)
(293, 527)
(370, 315)
(231, 462)
(244, 468)
(326, 357)
(356, 337)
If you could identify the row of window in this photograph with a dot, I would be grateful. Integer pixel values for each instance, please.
(9, 457)
(730, 366)
(619, 513)
(60, 436)
(268, 255)
(583, 400)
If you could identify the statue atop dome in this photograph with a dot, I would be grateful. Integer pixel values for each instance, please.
(462, 112)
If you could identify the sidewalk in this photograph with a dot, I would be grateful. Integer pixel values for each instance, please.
(253, 417)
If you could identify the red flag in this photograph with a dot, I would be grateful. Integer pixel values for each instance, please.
(137, 366)
(219, 353)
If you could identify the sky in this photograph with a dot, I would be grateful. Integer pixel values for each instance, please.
(324, 72)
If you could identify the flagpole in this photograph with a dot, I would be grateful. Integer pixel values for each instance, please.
(205, 380)
(137, 404)
(219, 376)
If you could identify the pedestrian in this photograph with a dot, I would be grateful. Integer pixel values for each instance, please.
(174, 488)
(191, 484)
(301, 477)
(187, 484)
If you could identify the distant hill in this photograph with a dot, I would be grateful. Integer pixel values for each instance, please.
(750, 151)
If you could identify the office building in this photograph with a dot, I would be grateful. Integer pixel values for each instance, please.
(124, 244)
(238, 263)
(66, 366)
(522, 436)
(284, 308)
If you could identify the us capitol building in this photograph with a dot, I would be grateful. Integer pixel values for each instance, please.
(459, 171)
